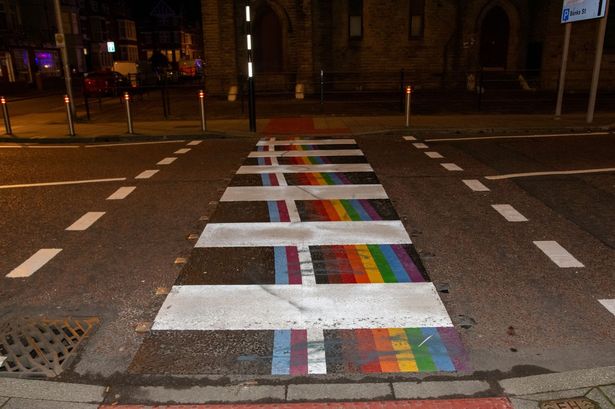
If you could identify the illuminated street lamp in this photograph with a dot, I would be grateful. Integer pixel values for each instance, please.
(251, 103)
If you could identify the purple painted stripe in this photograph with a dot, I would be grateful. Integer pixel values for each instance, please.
(456, 351)
(344, 178)
(298, 354)
(409, 266)
(370, 209)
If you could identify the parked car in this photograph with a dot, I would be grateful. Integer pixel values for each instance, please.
(105, 83)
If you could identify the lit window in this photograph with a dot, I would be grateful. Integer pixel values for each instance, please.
(417, 18)
(355, 18)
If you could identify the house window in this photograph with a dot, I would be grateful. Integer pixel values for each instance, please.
(355, 18)
(127, 30)
(417, 18)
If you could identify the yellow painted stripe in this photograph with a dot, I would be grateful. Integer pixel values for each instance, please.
(371, 269)
(341, 211)
(319, 179)
(405, 357)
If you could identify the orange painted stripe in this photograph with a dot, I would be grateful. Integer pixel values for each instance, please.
(341, 212)
(384, 350)
(333, 216)
(360, 275)
(311, 179)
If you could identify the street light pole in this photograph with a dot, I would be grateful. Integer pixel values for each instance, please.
(593, 91)
(67, 79)
(251, 102)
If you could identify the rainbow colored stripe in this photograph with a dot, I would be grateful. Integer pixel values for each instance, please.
(364, 263)
(287, 266)
(342, 210)
(328, 178)
(289, 352)
(278, 211)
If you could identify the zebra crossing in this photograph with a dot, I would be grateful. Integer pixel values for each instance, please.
(304, 268)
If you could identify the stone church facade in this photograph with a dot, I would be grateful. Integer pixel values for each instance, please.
(438, 43)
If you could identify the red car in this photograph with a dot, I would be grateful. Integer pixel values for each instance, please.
(105, 83)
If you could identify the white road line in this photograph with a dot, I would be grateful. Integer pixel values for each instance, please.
(306, 266)
(316, 357)
(146, 174)
(297, 154)
(34, 263)
(131, 144)
(409, 138)
(194, 143)
(325, 192)
(420, 145)
(85, 221)
(182, 151)
(434, 155)
(293, 213)
(167, 161)
(557, 172)
(39, 147)
(558, 254)
(274, 161)
(323, 306)
(609, 305)
(281, 179)
(509, 213)
(451, 167)
(479, 138)
(305, 233)
(343, 167)
(476, 185)
(122, 193)
(309, 142)
(71, 182)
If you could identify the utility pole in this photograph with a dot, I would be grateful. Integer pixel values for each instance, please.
(562, 73)
(593, 91)
(67, 78)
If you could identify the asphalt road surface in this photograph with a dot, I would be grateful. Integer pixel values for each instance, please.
(445, 257)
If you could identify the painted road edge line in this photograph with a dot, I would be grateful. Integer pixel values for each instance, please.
(267, 234)
(70, 182)
(452, 167)
(344, 167)
(167, 161)
(323, 306)
(146, 174)
(509, 213)
(478, 138)
(549, 173)
(122, 193)
(132, 144)
(475, 185)
(324, 192)
(434, 155)
(558, 254)
(297, 154)
(609, 305)
(34, 263)
(85, 221)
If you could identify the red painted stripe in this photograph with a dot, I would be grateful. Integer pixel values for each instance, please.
(319, 209)
(367, 351)
(331, 212)
(284, 217)
(298, 352)
(273, 179)
(294, 267)
(357, 267)
(342, 265)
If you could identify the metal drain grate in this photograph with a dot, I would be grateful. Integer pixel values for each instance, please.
(42, 347)
(571, 403)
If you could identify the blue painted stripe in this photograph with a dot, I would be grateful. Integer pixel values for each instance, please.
(281, 265)
(265, 179)
(356, 205)
(438, 351)
(396, 266)
(280, 362)
(335, 178)
(274, 213)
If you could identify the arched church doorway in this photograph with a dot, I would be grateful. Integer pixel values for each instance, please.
(494, 35)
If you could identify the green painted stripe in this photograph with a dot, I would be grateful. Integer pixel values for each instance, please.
(327, 179)
(381, 262)
(423, 358)
(354, 216)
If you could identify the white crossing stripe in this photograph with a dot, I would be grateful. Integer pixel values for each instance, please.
(122, 193)
(71, 182)
(476, 185)
(167, 161)
(409, 138)
(295, 142)
(85, 221)
(194, 143)
(34, 263)
(316, 357)
(323, 306)
(558, 254)
(325, 192)
(451, 167)
(281, 180)
(297, 154)
(509, 213)
(306, 266)
(609, 305)
(420, 145)
(293, 213)
(305, 233)
(146, 174)
(182, 151)
(434, 155)
(344, 167)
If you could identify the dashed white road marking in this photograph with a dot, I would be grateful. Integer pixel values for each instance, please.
(182, 151)
(324, 192)
(316, 357)
(70, 182)
(194, 143)
(609, 305)
(322, 306)
(85, 221)
(556, 172)
(167, 161)
(509, 213)
(420, 145)
(475, 185)
(409, 138)
(122, 193)
(478, 138)
(344, 167)
(309, 142)
(434, 155)
(296, 154)
(146, 174)
(34, 263)
(103, 145)
(305, 233)
(558, 254)
(451, 167)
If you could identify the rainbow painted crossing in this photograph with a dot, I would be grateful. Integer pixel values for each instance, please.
(341, 210)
